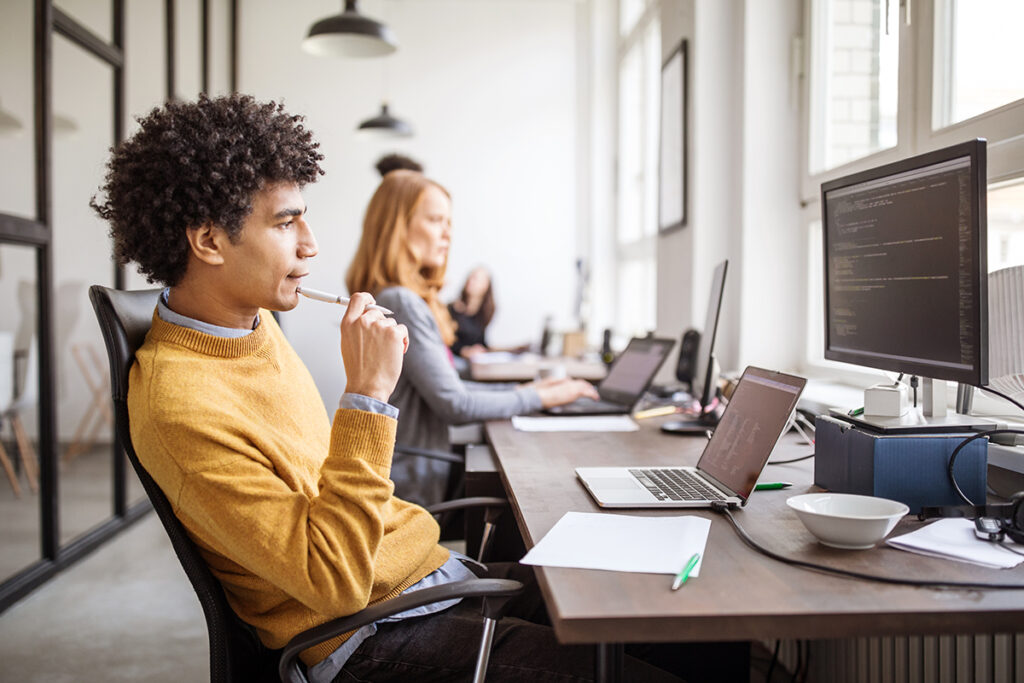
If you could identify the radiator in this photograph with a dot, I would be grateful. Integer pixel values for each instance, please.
(912, 659)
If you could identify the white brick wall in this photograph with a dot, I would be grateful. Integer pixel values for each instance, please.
(853, 110)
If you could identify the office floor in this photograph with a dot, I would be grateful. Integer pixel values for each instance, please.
(85, 484)
(127, 613)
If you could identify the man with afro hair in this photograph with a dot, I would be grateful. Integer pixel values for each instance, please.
(292, 510)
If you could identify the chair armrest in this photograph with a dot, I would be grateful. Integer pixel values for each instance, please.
(461, 503)
(428, 453)
(288, 667)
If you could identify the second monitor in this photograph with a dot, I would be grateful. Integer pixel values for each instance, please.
(705, 375)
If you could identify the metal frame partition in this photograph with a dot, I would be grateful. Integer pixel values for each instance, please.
(37, 233)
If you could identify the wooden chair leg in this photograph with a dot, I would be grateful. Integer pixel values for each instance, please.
(26, 452)
(77, 444)
(101, 386)
(85, 436)
(9, 469)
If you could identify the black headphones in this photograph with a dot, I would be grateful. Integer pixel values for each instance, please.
(1010, 515)
(1013, 526)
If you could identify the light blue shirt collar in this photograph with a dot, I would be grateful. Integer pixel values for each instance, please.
(169, 316)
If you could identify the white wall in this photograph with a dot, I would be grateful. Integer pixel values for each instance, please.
(772, 243)
(491, 90)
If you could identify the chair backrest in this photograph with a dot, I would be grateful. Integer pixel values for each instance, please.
(1006, 330)
(235, 652)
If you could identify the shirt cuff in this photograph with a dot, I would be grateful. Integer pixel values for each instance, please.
(367, 404)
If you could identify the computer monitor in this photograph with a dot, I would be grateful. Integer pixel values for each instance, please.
(905, 266)
(703, 387)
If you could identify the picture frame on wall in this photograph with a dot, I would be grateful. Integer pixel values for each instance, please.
(672, 178)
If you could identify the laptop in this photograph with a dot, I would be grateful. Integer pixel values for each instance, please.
(626, 381)
(728, 469)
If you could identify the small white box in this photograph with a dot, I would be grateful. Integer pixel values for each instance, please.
(886, 400)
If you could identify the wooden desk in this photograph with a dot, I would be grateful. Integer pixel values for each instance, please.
(739, 595)
(525, 367)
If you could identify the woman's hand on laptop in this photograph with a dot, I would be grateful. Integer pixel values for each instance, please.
(556, 392)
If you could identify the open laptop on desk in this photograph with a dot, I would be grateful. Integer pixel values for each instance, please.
(627, 380)
(728, 469)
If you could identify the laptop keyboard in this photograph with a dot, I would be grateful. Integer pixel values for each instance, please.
(587, 406)
(675, 484)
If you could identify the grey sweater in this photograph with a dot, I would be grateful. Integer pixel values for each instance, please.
(430, 396)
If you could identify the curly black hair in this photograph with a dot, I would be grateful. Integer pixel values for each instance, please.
(393, 162)
(198, 163)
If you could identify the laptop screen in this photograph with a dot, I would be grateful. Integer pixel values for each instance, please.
(751, 425)
(635, 368)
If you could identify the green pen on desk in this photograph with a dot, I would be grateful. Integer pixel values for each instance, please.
(683, 575)
(773, 485)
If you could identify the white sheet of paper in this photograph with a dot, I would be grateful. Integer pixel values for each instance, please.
(575, 423)
(954, 539)
(624, 543)
(499, 357)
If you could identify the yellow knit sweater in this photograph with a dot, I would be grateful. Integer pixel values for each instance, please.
(294, 515)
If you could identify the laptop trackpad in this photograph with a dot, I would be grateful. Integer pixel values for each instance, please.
(615, 484)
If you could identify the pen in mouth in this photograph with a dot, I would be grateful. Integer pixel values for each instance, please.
(336, 299)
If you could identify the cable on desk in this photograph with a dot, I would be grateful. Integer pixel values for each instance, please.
(723, 508)
(786, 462)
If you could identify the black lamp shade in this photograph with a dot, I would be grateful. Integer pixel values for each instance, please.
(386, 125)
(350, 34)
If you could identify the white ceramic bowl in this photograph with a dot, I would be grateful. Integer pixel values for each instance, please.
(845, 520)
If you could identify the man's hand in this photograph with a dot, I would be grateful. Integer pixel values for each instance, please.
(371, 349)
(558, 391)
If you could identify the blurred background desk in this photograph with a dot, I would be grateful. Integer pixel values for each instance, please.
(740, 595)
(524, 367)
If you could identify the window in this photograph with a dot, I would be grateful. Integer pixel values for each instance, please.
(1006, 226)
(855, 46)
(978, 56)
(636, 229)
(883, 86)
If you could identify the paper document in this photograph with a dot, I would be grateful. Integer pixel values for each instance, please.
(954, 539)
(500, 357)
(576, 423)
(623, 543)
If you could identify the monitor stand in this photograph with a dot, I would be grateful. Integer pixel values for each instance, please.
(705, 423)
(914, 421)
(701, 426)
(930, 415)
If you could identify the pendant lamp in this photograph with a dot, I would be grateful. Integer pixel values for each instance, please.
(385, 125)
(350, 34)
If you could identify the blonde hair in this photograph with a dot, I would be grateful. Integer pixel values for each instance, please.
(384, 259)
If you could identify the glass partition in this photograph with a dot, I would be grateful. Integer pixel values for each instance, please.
(17, 191)
(81, 257)
(19, 388)
(95, 15)
(188, 70)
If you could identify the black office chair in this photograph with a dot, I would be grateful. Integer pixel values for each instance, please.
(236, 654)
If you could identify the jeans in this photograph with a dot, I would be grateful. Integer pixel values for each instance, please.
(444, 646)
